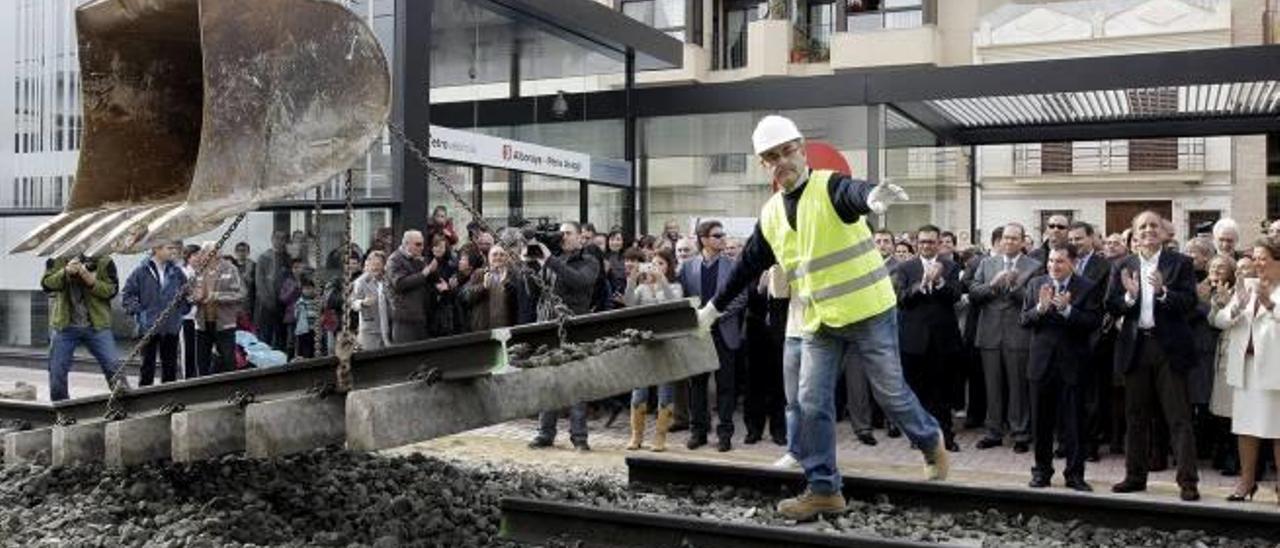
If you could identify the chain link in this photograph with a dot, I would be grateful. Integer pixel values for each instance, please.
(113, 411)
(560, 313)
(345, 343)
(316, 279)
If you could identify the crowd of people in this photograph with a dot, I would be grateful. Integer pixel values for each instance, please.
(1132, 343)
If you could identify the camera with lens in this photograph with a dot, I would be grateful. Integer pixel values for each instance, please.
(89, 263)
(546, 232)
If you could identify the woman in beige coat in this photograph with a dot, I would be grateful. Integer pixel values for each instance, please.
(1251, 325)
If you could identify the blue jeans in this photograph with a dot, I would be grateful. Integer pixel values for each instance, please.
(577, 423)
(100, 343)
(666, 395)
(875, 341)
(791, 387)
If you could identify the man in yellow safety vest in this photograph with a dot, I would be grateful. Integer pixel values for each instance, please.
(815, 227)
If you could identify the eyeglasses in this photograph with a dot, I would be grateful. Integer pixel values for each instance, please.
(1058, 227)
(716, 236)
(774, 155)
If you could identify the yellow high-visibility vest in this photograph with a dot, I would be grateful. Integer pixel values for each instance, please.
(833, 266)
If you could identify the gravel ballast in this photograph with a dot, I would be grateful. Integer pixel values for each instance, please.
(339, 498)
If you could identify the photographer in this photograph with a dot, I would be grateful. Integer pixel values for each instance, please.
(572, 275)
(81, 290)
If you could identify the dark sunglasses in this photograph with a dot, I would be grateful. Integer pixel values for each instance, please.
(1058, 227)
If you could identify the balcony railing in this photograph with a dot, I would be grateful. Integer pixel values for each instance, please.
(889, 18)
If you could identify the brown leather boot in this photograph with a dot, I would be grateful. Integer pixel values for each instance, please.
(666, 416)
(637, 426)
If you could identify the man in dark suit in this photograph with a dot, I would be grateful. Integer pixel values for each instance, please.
(1062, 314)
(975, 412)
(928, 287)
(1055, 235)
(1097, 269)
(997, 289)
(703, 276)
(1154, 290)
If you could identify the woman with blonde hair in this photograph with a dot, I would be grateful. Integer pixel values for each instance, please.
(1251, 325)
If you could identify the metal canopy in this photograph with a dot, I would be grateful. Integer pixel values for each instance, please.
(1226, 91)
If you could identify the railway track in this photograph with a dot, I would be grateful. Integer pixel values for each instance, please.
(404, 394)
(882, 512)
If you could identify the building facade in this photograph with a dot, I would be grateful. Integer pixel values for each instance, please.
(691, 167)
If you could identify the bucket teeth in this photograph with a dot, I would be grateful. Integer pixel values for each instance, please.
(175, 223)
(130, 229)
(77, 243)
(46, 230)
(68, 230)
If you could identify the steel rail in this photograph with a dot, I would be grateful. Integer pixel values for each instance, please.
(452, 358)
(26, 414)
(1099, 509)
(540, 521)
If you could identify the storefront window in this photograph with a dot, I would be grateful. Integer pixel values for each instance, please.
(460, 176)
(606, 207)
(550, 198)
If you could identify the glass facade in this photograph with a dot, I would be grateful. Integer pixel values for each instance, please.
(699, 167)
(936, 178)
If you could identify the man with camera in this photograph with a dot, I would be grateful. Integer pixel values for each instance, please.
(81, 289)
(571, 274)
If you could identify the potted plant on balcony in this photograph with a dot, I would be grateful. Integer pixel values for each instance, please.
(818, 52)
(800, 48)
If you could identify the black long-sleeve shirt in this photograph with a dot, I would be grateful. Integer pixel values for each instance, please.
(848, 195)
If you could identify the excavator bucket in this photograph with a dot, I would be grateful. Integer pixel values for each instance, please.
(198, 110)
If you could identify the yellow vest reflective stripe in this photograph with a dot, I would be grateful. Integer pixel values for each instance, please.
(833, 267)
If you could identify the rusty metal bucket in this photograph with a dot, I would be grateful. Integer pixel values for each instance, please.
(198, 110)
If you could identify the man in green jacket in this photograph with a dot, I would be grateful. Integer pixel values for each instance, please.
(81, 290)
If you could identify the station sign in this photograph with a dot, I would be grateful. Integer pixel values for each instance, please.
(497, 152)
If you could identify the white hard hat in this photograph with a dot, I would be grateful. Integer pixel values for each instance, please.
(772, 131)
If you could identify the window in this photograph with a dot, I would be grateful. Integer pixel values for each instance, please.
(820, 22)
(872, 15)
(1055, 158)
(664, 15)
(1154, 154)
(729, 35)
(729, 163)
(1201, 220)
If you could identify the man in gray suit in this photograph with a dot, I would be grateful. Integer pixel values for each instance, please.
(997, 289)
(703, 276)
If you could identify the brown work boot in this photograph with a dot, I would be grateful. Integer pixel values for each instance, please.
(937, 461)
(809, 505)
(666, 416)
(637, 427)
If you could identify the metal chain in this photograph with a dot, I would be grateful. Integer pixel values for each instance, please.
(345, 343)
(560, 312)
(113, 411)
(316, 279)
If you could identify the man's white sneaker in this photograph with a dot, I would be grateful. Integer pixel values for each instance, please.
(787, 461)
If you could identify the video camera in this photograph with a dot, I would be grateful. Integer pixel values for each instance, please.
(545, 231)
